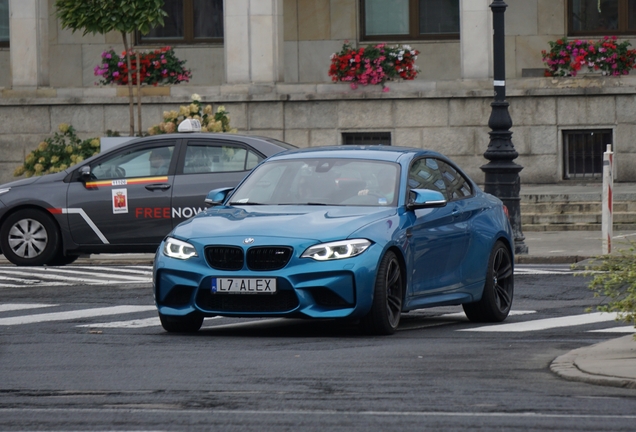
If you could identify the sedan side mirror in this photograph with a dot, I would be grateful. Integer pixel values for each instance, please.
(85, 172)
(217, 196)
(425, 198)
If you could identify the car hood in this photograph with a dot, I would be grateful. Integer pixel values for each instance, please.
(307, 222)
(36, 179)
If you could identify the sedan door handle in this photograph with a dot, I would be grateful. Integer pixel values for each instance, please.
(163, 186)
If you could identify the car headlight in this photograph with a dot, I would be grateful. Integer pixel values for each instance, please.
(4, 190)
(337, 250)
(178, 249)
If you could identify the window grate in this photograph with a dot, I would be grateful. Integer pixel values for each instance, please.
(583, 153)
(366, 138)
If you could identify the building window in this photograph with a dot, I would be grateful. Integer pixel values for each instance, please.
(409, 19)
(366, 138)
(188, 22)
(4, 23)
(604, 17)
(583, 153)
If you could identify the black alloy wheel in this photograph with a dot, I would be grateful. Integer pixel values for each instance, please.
(386, 310)
(496, 299)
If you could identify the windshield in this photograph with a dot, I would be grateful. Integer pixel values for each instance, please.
(311, 181)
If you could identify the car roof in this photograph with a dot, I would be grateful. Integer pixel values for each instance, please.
(377, 152)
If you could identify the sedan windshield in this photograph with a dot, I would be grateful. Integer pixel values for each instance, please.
(327, 181)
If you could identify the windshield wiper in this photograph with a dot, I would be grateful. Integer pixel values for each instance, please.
(246, 203)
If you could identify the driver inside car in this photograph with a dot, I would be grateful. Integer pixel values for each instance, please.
(159, 161)
(384, 188)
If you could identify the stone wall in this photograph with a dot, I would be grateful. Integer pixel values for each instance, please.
(450, 117)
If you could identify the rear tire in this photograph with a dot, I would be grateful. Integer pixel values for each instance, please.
(30, 237)
(386, 310)
(190, 323)
(496, 299)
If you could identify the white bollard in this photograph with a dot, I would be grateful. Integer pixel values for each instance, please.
(607, 221)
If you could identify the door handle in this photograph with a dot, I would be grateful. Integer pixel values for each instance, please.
(163, 186)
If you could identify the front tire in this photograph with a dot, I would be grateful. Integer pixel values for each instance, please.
(30, 237)
(496, 299)
(386, 310)
(190, 323)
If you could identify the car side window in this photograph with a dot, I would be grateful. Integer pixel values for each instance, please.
(456, 184)
(425, 174)
(144, 162)
(202, 158)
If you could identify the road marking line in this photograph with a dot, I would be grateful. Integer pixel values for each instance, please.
(626, 329)
(147, 270)
(7, 307)
(325, 413)
(547, 323)
(71, 315)
(138, 323)
(512, 313)
(44, 276)
(48, 273)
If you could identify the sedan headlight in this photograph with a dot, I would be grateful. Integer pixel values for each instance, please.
(337, 250)
(4, 190)
(178, 249)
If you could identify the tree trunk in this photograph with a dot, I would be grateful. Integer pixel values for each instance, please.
(139, 93)
(131, 100)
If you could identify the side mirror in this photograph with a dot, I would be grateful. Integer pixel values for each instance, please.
(217, 196)
(85, 172)
(425, 198)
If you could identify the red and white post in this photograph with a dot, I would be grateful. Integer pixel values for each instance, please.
(607, 221)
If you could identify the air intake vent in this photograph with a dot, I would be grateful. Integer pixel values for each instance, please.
(224, 257)
(268, 257)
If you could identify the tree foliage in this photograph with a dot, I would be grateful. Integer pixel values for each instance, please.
(124, 16)
(103, 16)
(614, 279)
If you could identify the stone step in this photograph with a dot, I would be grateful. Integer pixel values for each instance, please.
(575, 218)
(574, 208)
(574, 227)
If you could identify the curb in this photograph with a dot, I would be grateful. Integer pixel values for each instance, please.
(565, 367)
(554, 259)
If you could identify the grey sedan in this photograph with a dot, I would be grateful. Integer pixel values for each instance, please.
(123, 200)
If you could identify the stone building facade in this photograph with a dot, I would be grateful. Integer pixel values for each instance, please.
(270, 72)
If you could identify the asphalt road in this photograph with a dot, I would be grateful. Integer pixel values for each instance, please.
(92, 357)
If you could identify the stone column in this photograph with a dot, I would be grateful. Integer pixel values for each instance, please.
(253, 41)
(476, 39)
(29, 39)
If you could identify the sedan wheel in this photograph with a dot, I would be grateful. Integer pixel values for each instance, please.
(496, 299)
(29, 238)
(386, 310)
(190, 323)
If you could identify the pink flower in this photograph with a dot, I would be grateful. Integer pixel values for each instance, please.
(385, 89)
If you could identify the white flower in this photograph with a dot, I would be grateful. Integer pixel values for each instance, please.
(196, 97)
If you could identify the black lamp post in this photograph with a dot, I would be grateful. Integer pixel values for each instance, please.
(501, 173)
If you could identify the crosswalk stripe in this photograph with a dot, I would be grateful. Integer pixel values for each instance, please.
(512, 313)
(147, 270)
(71, 315)
(8, 307)
(626, 329)
(139, 323)
(547, 323)
(50, 274)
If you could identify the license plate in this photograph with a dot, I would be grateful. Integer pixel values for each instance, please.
(244, 285)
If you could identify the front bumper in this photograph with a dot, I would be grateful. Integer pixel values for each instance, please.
(305, 288)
